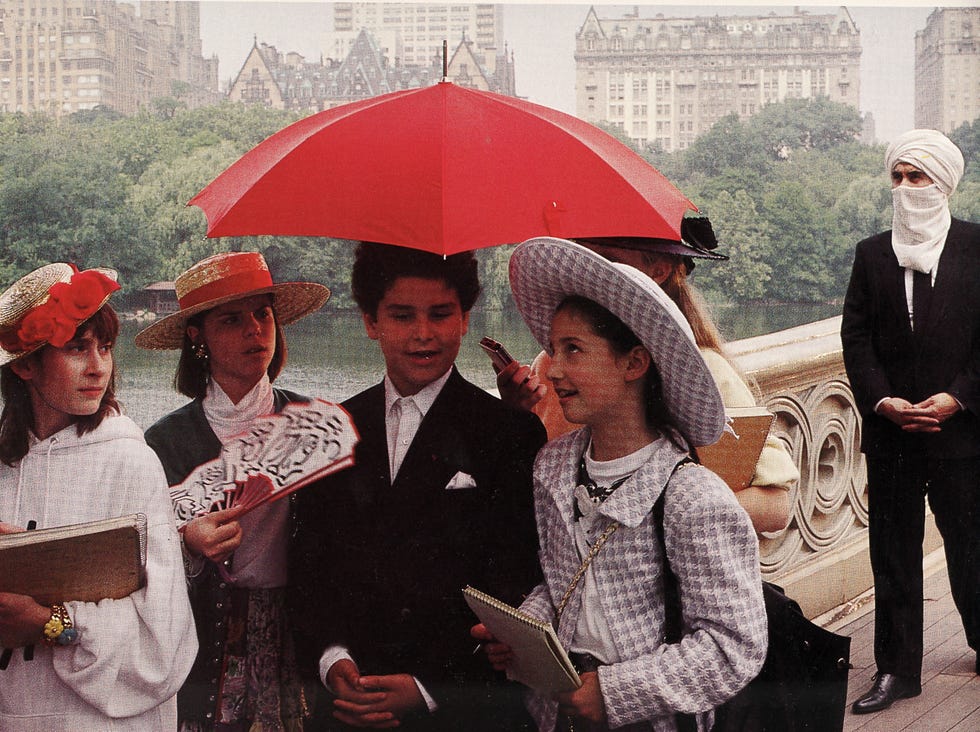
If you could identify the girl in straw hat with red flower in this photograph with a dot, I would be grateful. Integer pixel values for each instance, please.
(229, 332)
(68, 456)
(625, 366)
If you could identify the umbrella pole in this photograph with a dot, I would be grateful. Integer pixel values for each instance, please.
(445, 60)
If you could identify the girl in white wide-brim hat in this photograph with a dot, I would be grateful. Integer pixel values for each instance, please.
(232, 347)
(68, 456)
(643, 402)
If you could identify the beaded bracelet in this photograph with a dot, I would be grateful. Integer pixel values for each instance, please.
(58, 630)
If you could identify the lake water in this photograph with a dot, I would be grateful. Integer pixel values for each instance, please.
(331, 357)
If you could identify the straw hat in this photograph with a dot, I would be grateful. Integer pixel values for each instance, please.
(225, 277)
(544, 271)
(47, 306)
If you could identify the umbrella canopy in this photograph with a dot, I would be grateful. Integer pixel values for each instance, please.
(444, 169)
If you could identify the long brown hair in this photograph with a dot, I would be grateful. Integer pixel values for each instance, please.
(690, 302)
(17, 417)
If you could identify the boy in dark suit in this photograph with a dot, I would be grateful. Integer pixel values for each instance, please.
(439, 497)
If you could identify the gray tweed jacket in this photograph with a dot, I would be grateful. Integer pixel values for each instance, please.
(714, 554)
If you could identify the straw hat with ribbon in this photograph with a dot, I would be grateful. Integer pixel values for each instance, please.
(47, 306)
(223, 278)
(545, 271)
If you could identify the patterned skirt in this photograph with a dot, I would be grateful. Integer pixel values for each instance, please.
(260, 688)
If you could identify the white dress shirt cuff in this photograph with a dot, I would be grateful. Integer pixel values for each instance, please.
(330, 656)
(429, 701)
(338, 653)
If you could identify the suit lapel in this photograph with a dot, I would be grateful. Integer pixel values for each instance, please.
(438, 440)
(893, 283)
(372, 450)
(948, 283)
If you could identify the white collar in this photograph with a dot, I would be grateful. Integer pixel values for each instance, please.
(424, 398)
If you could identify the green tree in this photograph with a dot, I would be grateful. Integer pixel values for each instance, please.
(805, 124)
(863, 208)
(965, 202)
(172, 230)
(743, 236)
(967, 139)
(728, 145)
(803, 240)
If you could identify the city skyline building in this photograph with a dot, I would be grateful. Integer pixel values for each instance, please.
(58, 57)
(663, 81)
(286, 80)
(413, 33)
(947, 69)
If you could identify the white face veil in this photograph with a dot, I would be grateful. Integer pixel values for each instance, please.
(920, 216)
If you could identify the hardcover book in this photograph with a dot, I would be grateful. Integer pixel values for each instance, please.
(86, 562)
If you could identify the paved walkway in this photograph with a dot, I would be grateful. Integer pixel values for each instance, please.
(950, 699)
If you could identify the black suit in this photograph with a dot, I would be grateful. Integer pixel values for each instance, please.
(379, 567)
(885, 358)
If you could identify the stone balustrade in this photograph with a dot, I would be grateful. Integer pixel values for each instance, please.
(821, 556)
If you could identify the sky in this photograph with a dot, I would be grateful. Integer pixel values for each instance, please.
(542, 38)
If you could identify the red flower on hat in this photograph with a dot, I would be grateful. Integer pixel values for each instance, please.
(68, 305)
(83, 294)
(46, 323)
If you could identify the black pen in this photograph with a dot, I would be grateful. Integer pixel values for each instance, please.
(29, 650)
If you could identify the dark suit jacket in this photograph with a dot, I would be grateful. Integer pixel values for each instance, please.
(379, 568)
(884, 358)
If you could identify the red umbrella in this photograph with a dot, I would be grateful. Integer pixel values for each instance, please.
(444, 169)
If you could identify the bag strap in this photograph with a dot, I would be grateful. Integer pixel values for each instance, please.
(673, 616)
(593, 550)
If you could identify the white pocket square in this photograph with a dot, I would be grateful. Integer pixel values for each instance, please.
(461, 480)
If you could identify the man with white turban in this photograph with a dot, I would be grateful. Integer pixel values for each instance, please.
(911, 337)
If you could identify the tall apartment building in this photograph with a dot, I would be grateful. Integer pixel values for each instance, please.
(412, 33)
(64, 56)
(947, 69)
(664, 80)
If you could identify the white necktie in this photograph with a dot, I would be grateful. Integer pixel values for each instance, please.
(409, 418)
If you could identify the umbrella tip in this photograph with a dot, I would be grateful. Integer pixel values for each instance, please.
(445, 60)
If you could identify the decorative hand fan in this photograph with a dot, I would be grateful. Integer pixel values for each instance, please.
(276, 456)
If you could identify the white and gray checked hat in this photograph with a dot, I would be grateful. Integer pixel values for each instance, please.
(544, 271)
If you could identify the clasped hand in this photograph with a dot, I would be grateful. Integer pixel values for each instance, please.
(377, 702)
(926, 416)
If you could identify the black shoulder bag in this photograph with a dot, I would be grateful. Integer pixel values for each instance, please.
(802, 686)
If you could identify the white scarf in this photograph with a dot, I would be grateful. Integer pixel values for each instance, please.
(260, 561)
(227, 419)
(920, 222)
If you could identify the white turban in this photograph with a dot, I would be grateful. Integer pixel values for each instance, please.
(931, 152)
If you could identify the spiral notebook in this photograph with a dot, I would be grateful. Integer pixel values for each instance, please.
(539, 660)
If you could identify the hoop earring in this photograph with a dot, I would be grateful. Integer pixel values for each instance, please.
(200, 351)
